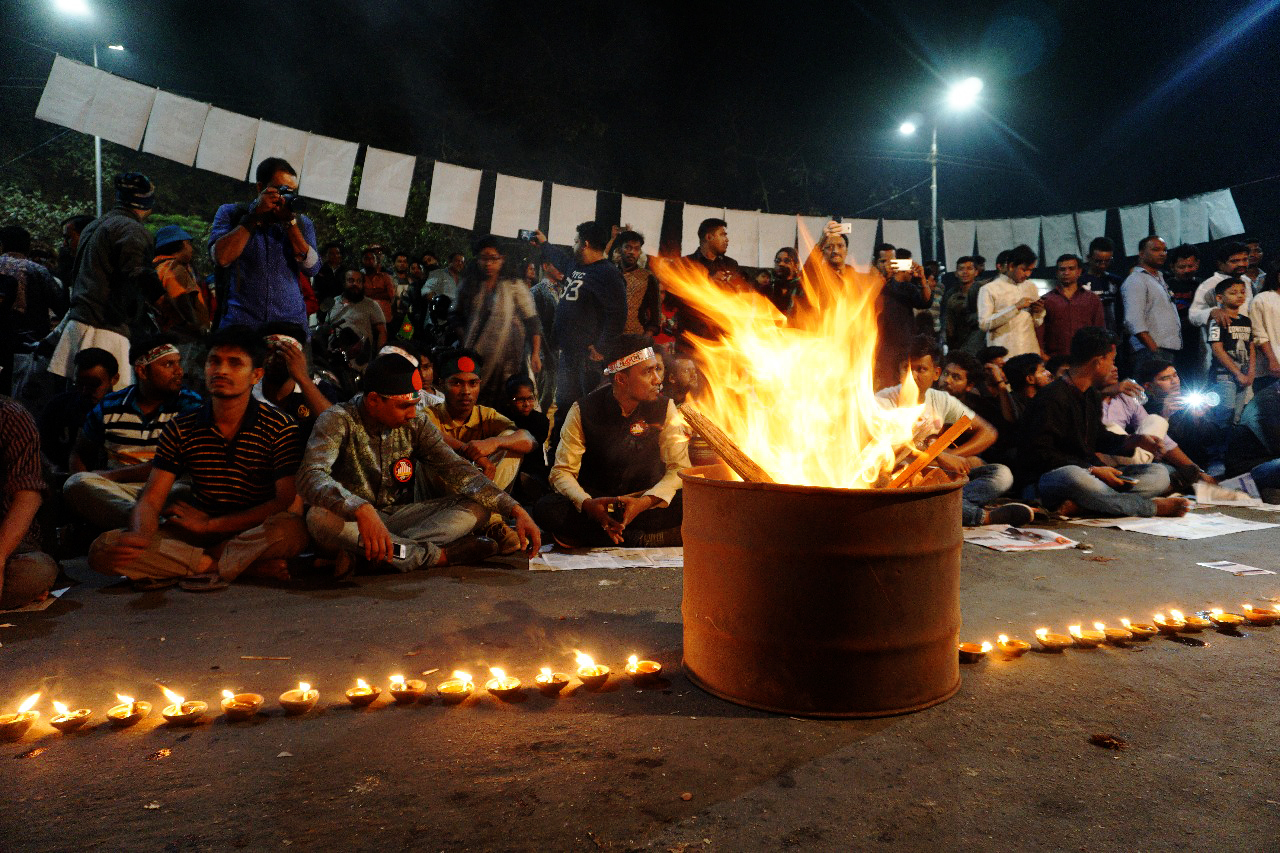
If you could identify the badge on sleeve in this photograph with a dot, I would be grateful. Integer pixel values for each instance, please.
(637, 429)
(303, 411)
(402, 470)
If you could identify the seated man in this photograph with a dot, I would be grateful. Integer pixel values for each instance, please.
(286, 381)
(476, 432)
(616, 474)
(241, 455)
(961, 373)
(1063, 434)
(62, 419)
(986, 482)
(1187, 413)
(1123, 415)
(111, 460)
(358, 478)
(1255, 442)
(26, 574)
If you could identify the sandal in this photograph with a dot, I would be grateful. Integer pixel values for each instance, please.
(151, 584)
(203, 583)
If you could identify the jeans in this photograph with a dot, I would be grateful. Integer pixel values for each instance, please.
(1227, 412)
(986, 483)
(1076, 484)
(1267, 475)
(424, 527)
(576, 377)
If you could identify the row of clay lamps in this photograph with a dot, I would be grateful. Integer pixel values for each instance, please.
(238, 707)
(1174, 623)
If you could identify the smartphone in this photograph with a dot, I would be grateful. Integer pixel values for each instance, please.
(1128, 481)
(399, 551)
(616, 510)
(900, 265)
(527, 234)
(846, 228)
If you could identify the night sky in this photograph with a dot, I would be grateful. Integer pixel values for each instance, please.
(787, 107)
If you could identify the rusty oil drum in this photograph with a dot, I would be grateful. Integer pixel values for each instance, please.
(821, 602)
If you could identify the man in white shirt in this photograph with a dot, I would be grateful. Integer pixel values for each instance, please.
(1009, 306)
(1233, 260)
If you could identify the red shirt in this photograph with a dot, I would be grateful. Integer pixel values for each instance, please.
(1063, 317)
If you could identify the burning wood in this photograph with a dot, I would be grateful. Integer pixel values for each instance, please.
(931, 453)
(724, 446)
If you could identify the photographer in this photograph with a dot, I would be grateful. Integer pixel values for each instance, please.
(262, 249)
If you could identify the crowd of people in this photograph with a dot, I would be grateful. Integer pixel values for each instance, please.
(293, 413)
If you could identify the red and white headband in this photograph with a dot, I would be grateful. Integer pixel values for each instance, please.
(630, 360)
(153, 355)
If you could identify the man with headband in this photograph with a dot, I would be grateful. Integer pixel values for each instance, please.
(616, 474)
(111, 459)
(286, 381)
(358, 477)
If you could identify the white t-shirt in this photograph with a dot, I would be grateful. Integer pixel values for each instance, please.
(1005, 323)
(941, 410)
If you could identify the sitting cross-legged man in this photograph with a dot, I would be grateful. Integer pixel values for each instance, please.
(26, 574)
(616, 474)
(358, 477)
(1063, 434)
(111, 459)
(241, 455)
(941, 410)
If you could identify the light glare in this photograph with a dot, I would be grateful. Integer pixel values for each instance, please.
(907, 128)
(118, 47)
(964, 94)
(78, 8)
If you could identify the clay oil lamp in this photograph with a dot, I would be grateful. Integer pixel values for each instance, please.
(550, 683)
(643, 671)
(128, 712)
(1054, 642)
(299, 700)
(1195, 624)
(66, 720)
(1263, 617)
(503, 686)
(592, 674)
(239, 707)
(1225, 621)
(1168, 624)
(456, 688)
(181, 712)
(407, 692)
(1115, 636)
(363, 694)
(14, 726)
(1087, 638)
(1140, 630)
(1010, 649)
(973, 652)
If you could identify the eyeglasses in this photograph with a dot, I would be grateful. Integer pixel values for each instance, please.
(529, 399)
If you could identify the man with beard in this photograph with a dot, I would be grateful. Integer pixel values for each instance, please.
(644, 312)
(241, 456)
(360, 314)
(784, 280)
(286, 381)
(112, 456)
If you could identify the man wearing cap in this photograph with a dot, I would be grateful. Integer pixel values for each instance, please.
(183, 308)
(241, 456)
(358, 476)
(111, 459)
(262, 249)
(286, 381)
(616, 475)
(479, 433)
(114, 281)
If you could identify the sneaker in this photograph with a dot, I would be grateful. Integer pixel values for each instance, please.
(1014, 515)
(468, 550)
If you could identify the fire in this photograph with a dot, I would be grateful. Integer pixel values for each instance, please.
(227, 694)
(172, 697)
(1177, 615)
(499, 674)
(1216, 612)
(584, 661)
(397, 681)
(1074, 630)
(29, 703)
(62, 710)
(464, 677)
(361, 684)
(304, 688)
(632, 661)
(1247, 607)
(546, 672)
(125, 700)
(1042, 632)
(986, 646)
(1099, 626)
(1003, 638)
(798, 398)
(1126, 623)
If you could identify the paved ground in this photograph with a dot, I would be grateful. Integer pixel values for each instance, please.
(1005, 765)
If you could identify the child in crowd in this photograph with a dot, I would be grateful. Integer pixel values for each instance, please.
(1230, 337)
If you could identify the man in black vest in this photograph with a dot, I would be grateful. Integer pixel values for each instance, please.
(616, 475)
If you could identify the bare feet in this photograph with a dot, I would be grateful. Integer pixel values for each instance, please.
(1171, 507)
(274, 570)
(1069, 509)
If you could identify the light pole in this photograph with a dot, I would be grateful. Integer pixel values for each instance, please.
(960, 96)
(80, 9)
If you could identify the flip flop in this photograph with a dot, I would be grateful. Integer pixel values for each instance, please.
(203, 583)
(151, 584)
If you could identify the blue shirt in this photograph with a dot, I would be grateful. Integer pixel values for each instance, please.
(1148, 307)
(593, 304)
(264, 279)
(126, 435)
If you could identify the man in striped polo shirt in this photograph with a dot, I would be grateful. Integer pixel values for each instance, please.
(111, 459)
(241, 455)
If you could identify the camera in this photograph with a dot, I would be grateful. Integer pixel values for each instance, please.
(527, 234)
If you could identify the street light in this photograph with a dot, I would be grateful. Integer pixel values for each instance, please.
(80, 9)
(961, 95)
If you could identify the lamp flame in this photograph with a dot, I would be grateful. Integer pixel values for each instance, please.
(1247, 607)
(498, 674)
(584, 661)
(986, 647)
(1159, 617)
(1041, 633)
(227, 694)
(632, 661)
(361, 684)
(462, 676)
(1002, 639)
(172, 697)
(1216, 612)
(1099, 626)
(546, 672)
(1074, 630)
(29, 702)
(303, 687)
(1125, 622)
(397, 681)
(62, 710)
(1177, 614)
(125, 700)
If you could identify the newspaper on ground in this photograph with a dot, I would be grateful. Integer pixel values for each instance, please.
(1001, 537)
(1207, 494)
(39, 605)
(1237, 569)
(1201, 525)
(551, 559)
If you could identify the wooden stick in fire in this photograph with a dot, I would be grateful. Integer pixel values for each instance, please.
(733, 456)
(939, 444)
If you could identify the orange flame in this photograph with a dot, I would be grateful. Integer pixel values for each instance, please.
(227, 694)
(461, 676)
(633, 661)
(1177, 614)
(1002, 639)
(798, 397)
(498, 674)
(62, 710)
(171, 696)
(397, 681)
(304, 688)
(29, 703)
(584, 661)
(546, 672)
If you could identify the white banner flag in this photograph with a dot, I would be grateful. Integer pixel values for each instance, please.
(1166, 216)
(1195, 220)
(517, 204)
(862, 242)
(276, 140)
(776, 231)
(744, 237)
(692, 216)
(1224, 219)
(120, 111)
(68, 93)
(1135, 223)
(957, 239)
(174, 129)
(330, 162)
(385, 182)
(570, 207)
(644, 215)
(903, 234)
(809, 231)
(1026, 232)
(454, 193)
(994, 237)
(1089, 225)
(1060, 237)
(226, 145)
